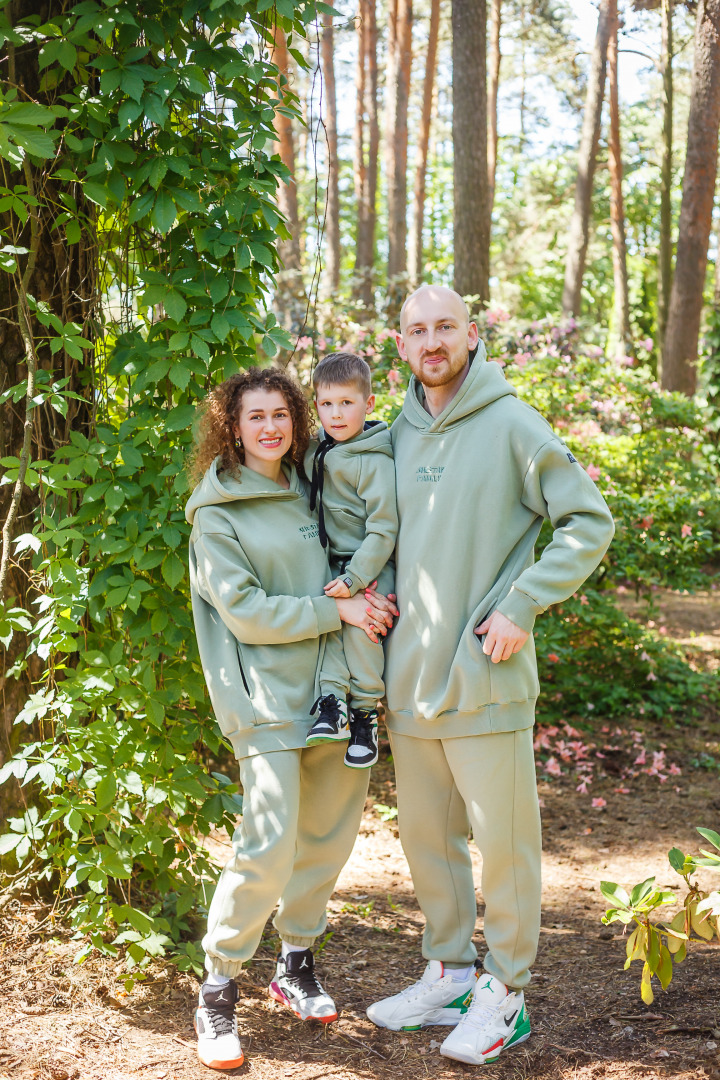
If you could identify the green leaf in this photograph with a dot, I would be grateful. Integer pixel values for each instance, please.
(106, 791)
(175, 305)
(614, 894)
(178, 341)
(163, 214)
(180, 375)
(97, 193)
(220, 326)
(677, 859)
(713, 837)
(139, 208)
(180, 418)
(35, 142)
(173, 570)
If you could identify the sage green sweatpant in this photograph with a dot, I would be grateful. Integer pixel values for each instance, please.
(301, 814)
(445, 787)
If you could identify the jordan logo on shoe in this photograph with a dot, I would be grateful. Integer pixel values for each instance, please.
(221, 996)
(487, 985)
(304, 963)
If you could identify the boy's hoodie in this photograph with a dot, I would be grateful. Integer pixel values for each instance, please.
(256, 576)
(354, 487)
(474, 486)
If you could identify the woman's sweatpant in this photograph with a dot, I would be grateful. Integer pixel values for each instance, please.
(486, 783)
(301, 814)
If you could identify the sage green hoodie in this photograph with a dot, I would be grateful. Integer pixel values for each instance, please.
(359, 503)
(474, 487)
(257, 572)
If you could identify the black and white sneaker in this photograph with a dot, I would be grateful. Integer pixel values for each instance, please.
(363, 749)
(296, 985)
(332, 722)
(216, 1027)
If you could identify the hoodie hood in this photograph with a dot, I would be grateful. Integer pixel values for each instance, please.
(375, 437)
(484, 384)
(219, 487)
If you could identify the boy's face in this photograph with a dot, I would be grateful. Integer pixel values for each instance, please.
(342, 410)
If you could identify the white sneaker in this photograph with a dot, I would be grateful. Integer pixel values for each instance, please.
(497, 1018)
(216, 1027)
(436, 999)
(296, 985)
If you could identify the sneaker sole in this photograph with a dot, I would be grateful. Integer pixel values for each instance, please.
(277, 995)
(216, 1063)
(361, 765)
(446, 1020)
(470, 1059)
(316, 740)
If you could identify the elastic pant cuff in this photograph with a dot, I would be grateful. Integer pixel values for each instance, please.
(296, 939)
(229, 968)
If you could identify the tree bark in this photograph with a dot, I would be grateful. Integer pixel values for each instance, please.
(421, 158)
(397, 156)
(493, 84)
(470, 159)
(366, 167)
(621, 319)
(665, 248)
(686, 297)
(580, 221)
(290, 301)
(332, 205)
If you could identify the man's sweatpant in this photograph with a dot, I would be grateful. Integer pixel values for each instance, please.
(301, 814)
(486, 783)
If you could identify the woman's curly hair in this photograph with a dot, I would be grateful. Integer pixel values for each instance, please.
(221, 409)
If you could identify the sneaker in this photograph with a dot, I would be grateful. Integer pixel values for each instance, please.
(436, 999)
(332, 722)
(297, 986)
(497, 1019)
(216, 1027)
(362, 751)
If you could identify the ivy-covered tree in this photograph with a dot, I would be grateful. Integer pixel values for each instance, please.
(139, 198)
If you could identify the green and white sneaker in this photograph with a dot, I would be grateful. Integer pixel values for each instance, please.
(436, 999)
(496, 1020)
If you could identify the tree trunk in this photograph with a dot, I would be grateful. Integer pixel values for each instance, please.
(418, 218)
(580, 222)
(665, 250)
(470, 160)
(686, 297)
(332, 206)
(63, 276)
(366, 167)
(397, 157)
(621, 318)
(493, 83)
(290, 301)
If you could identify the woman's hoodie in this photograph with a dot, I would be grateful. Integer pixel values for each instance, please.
(257, 572)
(474, 486)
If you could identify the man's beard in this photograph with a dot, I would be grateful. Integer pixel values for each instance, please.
(432, 378)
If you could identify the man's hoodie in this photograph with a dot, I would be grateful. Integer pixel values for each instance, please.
(354, 482)
(257, 572)
(474, 487)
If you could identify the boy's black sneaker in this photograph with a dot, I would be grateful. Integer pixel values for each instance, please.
(332, 722)
(296, 985)
(362, 752)
(216, 1026)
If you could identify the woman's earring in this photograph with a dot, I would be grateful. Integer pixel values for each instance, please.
(238, 444)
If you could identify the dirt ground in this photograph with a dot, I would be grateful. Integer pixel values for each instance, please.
(64, 1022)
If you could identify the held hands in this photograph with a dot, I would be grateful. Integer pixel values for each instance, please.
(372, 612)
(337, 589)
(503, 637)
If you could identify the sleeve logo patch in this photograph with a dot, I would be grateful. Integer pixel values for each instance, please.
(429, 474)
(571, 457)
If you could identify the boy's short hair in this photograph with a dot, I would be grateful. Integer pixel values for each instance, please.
(339, 368)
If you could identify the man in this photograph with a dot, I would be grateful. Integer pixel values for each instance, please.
(478, 471)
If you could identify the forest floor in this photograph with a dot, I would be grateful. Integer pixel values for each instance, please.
(60, 1021)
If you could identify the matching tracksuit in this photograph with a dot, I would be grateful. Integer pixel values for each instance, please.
(474, 486)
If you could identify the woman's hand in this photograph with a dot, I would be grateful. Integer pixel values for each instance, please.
(364, 613)
(386, 604)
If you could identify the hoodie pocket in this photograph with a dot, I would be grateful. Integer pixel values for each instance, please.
(345, 523)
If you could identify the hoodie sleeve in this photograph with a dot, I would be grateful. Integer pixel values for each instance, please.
(226, 580)
(376, 487)
(557, 488)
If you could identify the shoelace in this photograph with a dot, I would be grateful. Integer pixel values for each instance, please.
(221, 1022)
(478, 1015)
(363, 730)
(327, 708)
(307, 983)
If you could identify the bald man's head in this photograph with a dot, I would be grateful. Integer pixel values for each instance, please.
(433, 294)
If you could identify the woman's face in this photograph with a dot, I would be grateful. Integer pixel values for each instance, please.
(264, 427)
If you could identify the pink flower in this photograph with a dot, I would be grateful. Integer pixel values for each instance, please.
(304, 342)
(322, 344)
(674, 770)
(599, 803)
(686, 531)
(582, 787)
(622, 790)
(393, 376)
(593, 472)
(553, 658)
(551, 766)
(584, 599)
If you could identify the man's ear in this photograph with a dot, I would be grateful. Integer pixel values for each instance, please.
(370, 405)
(473, 336)
(401, 345)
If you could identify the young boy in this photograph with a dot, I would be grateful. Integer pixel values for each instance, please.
(353, 487)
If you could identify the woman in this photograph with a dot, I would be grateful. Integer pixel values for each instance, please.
(257, 575)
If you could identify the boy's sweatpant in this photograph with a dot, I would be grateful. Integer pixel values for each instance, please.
(353, 665)
(301, 814)
(445, 787)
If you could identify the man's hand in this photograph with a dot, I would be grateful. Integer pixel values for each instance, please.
(338, 589)
(503, 637)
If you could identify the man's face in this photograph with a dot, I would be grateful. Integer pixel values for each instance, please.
(435, 336)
